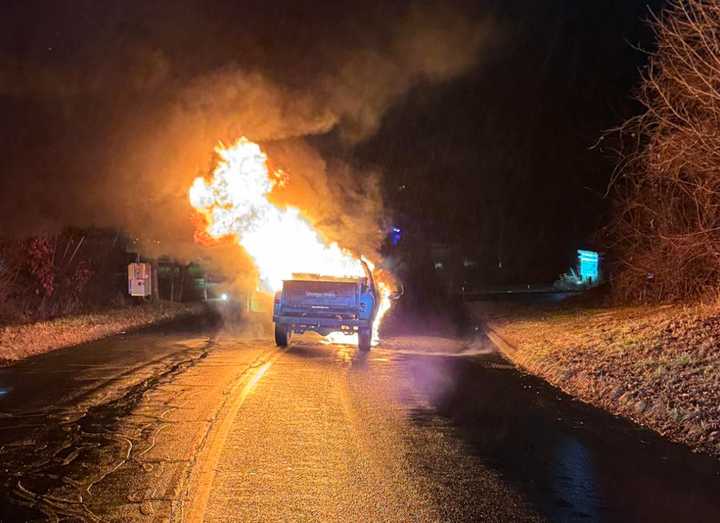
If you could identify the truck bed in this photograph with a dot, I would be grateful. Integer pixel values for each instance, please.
(320, 295)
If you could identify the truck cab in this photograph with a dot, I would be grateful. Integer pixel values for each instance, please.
(325, 304)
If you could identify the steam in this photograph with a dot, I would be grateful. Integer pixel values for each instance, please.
(150, 128)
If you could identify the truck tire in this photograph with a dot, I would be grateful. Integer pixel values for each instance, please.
(282, 335)
(364, 339)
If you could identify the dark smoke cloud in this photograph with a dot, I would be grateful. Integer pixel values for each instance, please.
(115, 137)
(428, 45)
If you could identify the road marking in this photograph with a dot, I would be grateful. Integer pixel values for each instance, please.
(209, 455)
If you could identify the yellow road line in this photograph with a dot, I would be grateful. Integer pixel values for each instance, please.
(210, 455)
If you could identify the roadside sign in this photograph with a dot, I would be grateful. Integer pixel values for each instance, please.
(140, 279)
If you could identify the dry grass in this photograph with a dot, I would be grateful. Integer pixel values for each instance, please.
(665, 229)
(21, 341)
(659, 366)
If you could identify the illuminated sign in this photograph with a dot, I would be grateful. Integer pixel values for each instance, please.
(589, 264)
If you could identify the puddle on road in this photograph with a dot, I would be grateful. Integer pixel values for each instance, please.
(570, 460)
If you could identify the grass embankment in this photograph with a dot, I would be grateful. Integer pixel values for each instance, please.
(659, 366)
(21, 341)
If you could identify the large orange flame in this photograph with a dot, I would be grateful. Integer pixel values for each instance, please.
(234, 202)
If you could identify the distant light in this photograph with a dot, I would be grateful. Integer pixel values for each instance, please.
(395, 235)
(224, 297)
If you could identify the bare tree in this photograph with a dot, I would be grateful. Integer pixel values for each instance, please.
(666, 225)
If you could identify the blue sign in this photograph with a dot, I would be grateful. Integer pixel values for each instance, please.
(589, 264)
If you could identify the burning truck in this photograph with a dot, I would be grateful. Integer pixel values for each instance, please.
(321, 286)
(310, 302)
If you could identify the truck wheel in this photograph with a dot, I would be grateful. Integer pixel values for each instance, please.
(364, 339)
(282, 335)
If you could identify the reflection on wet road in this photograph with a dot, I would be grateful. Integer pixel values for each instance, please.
(570, 461)
(188, 426)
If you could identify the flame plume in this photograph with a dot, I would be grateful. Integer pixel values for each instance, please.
(234, 202)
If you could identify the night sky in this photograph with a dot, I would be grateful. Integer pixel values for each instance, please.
(500, 161)
(482, 142)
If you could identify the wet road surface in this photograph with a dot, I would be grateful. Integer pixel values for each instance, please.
(183, 423)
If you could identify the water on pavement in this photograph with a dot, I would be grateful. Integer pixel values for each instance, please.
(188, 426)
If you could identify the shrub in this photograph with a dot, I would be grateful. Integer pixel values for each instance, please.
(51, 275)
(666, 225)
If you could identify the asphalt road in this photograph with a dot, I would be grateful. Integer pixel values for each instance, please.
(185, 423)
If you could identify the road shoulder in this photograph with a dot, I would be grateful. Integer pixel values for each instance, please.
(659, 366)
(18, 342)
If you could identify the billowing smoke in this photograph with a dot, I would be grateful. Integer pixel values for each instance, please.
(116, 137)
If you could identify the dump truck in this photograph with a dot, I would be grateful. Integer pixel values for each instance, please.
(325, 304)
